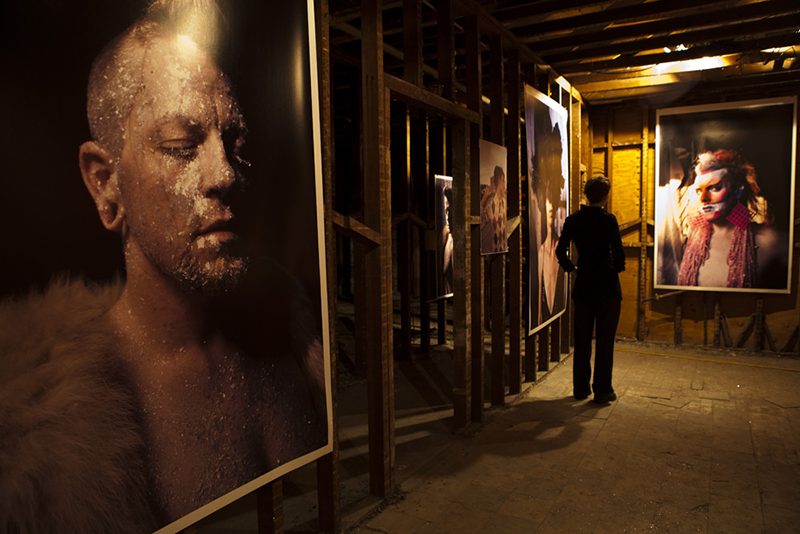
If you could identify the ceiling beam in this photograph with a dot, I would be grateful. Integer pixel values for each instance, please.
(700, 18)
(688, 38)
(715, 49)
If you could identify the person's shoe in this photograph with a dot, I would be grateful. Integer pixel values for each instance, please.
(605, 398)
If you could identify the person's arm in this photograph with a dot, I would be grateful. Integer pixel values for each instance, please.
(562, 248)
(617, 252)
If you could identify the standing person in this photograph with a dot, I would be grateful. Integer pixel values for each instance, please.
(597, 293)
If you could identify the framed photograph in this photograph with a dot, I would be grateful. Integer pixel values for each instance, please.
(547, 133)
(725, 179)
(163, 315)
(493, 198)
(444, 240)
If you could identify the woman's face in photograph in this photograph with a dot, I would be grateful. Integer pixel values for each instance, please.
(714, 194)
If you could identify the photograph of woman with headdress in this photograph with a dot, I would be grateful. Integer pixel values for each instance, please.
(548, 172)
(724, 198)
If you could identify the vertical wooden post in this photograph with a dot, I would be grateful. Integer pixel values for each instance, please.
(717, 321)
(555, 340)
(269, 508)
(678, 317)
(513, 177)
(423, 203)
(758, 326)
(401, 176)
(543, 336)
(641, 320)
(462, 299)
(498, 261)
(327, 471)
(530, 358)
(576, 149)
(377, 262)
(473, 75)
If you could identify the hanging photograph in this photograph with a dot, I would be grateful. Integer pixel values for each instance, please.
(163, 315)
(444, 240)
(547, 136)
(493, 198)
(725, 196)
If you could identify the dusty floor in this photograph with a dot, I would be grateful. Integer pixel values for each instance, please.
(699, 441)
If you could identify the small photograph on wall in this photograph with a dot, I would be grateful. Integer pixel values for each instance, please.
(493, 198)
(163, 312)
(725, 196)
(548, 205)
(444, 240)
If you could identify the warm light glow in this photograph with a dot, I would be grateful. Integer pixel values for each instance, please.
(186, 44)
(689, 65)
(779, 50)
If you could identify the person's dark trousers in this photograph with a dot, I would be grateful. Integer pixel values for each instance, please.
(601, 312)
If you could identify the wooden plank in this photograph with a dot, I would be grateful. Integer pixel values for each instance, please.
(513, 177)
(473, 79)
(377, 263)
(753, 11)
(530, 359)
(749, 27)
(424, 99)
(412, 41)
(555, 340)
(446, 48)
(328, 503)
(356, 230)
(498, 261)
(462, 296)
(677, 320)
(542, 349)
(641, 318)
(424, 192)
(401, 176)
(269, 508)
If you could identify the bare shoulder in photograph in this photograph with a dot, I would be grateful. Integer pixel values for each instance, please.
(127, 406)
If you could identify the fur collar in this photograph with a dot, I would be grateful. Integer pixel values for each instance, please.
(71, 448)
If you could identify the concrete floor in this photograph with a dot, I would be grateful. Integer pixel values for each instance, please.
(698, 441)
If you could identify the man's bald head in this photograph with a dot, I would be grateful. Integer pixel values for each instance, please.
(117, 74)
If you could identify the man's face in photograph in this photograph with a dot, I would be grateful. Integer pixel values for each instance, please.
(179, 165)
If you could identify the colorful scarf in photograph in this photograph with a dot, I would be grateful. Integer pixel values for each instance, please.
(741, 255)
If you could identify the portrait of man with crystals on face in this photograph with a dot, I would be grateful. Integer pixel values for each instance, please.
(160, 364)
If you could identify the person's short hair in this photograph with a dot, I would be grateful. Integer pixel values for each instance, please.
(116, 76)
(596, 188)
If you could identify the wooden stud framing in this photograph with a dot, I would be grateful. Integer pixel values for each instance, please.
(513, 179)
(555, 340)
(377, 263)
(642, 287)
(497, 261)
(543, 338)
(472, 45)
(269, 508)
(327, 466)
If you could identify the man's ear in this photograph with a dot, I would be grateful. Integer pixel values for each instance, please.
(97, 169)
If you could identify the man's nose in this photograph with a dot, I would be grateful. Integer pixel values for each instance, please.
(221, 174)
(705, 196)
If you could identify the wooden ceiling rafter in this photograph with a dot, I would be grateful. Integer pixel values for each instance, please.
(703, 19)
(780, 23)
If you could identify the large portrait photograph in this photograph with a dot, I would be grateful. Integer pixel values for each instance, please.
(163, 315)
(547, 138)
(444, 239)
(493, 198)
(725, 196)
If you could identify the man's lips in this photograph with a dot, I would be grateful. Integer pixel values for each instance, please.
(222, 229)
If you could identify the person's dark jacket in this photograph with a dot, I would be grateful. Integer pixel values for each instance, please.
(595, 233)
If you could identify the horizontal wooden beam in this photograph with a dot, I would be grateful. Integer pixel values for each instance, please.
(512, 224)
(687, 38)
(700, 18)
(424, 99)
(715, 49)
(355, 229)
(408, 216)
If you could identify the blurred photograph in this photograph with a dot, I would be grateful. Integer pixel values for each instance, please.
(493, 198)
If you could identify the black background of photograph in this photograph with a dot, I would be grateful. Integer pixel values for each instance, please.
(762, 135)
(50, 223)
